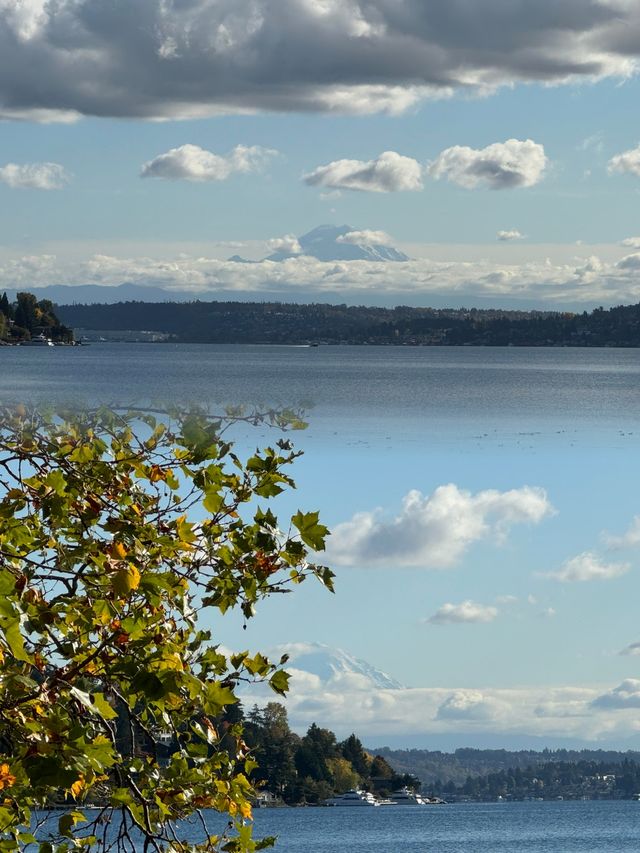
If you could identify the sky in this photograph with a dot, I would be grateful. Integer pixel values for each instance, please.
(496, 144)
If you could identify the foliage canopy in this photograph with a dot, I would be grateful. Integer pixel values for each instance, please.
(118, 531)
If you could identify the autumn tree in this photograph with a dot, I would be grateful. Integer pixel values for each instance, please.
(118, 533)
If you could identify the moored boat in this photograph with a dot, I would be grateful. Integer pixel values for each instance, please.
(407, 797)
(37, 341)
(355, 797)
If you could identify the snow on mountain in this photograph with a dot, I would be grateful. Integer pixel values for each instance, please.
(328, 243)
(328, 665)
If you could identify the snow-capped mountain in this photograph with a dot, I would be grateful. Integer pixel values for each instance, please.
(341, 243)
(328, 664)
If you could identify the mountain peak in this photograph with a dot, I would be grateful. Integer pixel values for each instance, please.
(328, 663)
(342, 243)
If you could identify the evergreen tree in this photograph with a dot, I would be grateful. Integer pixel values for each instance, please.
(5, 307)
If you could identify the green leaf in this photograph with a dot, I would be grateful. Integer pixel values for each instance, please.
(15, 640)
(311, 532)
(279, 682)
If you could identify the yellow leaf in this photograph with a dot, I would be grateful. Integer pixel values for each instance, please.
(126, 580)
(119, 550)
(78, 786)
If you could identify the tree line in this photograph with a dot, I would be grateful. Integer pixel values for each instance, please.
(28, 317)
(286, 323)
(557, 780)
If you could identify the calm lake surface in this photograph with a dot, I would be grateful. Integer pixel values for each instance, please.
(537, 827)
(532, 827)
(448, 392)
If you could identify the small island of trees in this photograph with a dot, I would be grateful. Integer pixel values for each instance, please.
(28, 318)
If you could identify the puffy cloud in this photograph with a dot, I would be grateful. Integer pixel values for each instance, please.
(466, 612)
(502, 165)
(631, 242)
(628, 539)
(506, 236)
(365, 238)
(390, 172)
(633, 650)
(289, 244)
(192, 163)
(161, 59)
(627, 161)
(469, 705)
(625, 695)
(630, 262)
(436, 530)
(588, 567)
(34, 176)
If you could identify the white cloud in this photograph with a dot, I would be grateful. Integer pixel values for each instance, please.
(168, 60)
(502, 165)
(587, 567)
(365, 238)
(626, 162)
(434, 531)
(466, 612)
(506, 236)
(289, 244)
(625, 695)
(631, 242)
(390, 172)
(35, 176)
(192, 163)
(633, 650)
(469, 705)
(628, 539)
(630, 262)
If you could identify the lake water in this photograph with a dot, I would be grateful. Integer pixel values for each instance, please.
(440, 392)
(547, 827)
(531, 827)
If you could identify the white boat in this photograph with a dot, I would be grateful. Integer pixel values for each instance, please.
(354, 797)
(38, 341)
(407, 797)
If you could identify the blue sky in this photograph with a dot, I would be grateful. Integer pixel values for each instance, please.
(90, 92)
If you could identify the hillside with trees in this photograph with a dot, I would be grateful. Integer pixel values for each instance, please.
(285, 323)
(29, 317)
(309, 769)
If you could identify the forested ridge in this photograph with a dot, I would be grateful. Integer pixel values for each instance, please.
(284, 323)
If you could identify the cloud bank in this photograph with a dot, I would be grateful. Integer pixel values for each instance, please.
(584, 282)
(345, 701)
(390, 172)
(500, 166)
(434, 531)
(192, 163)
(166, 60)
